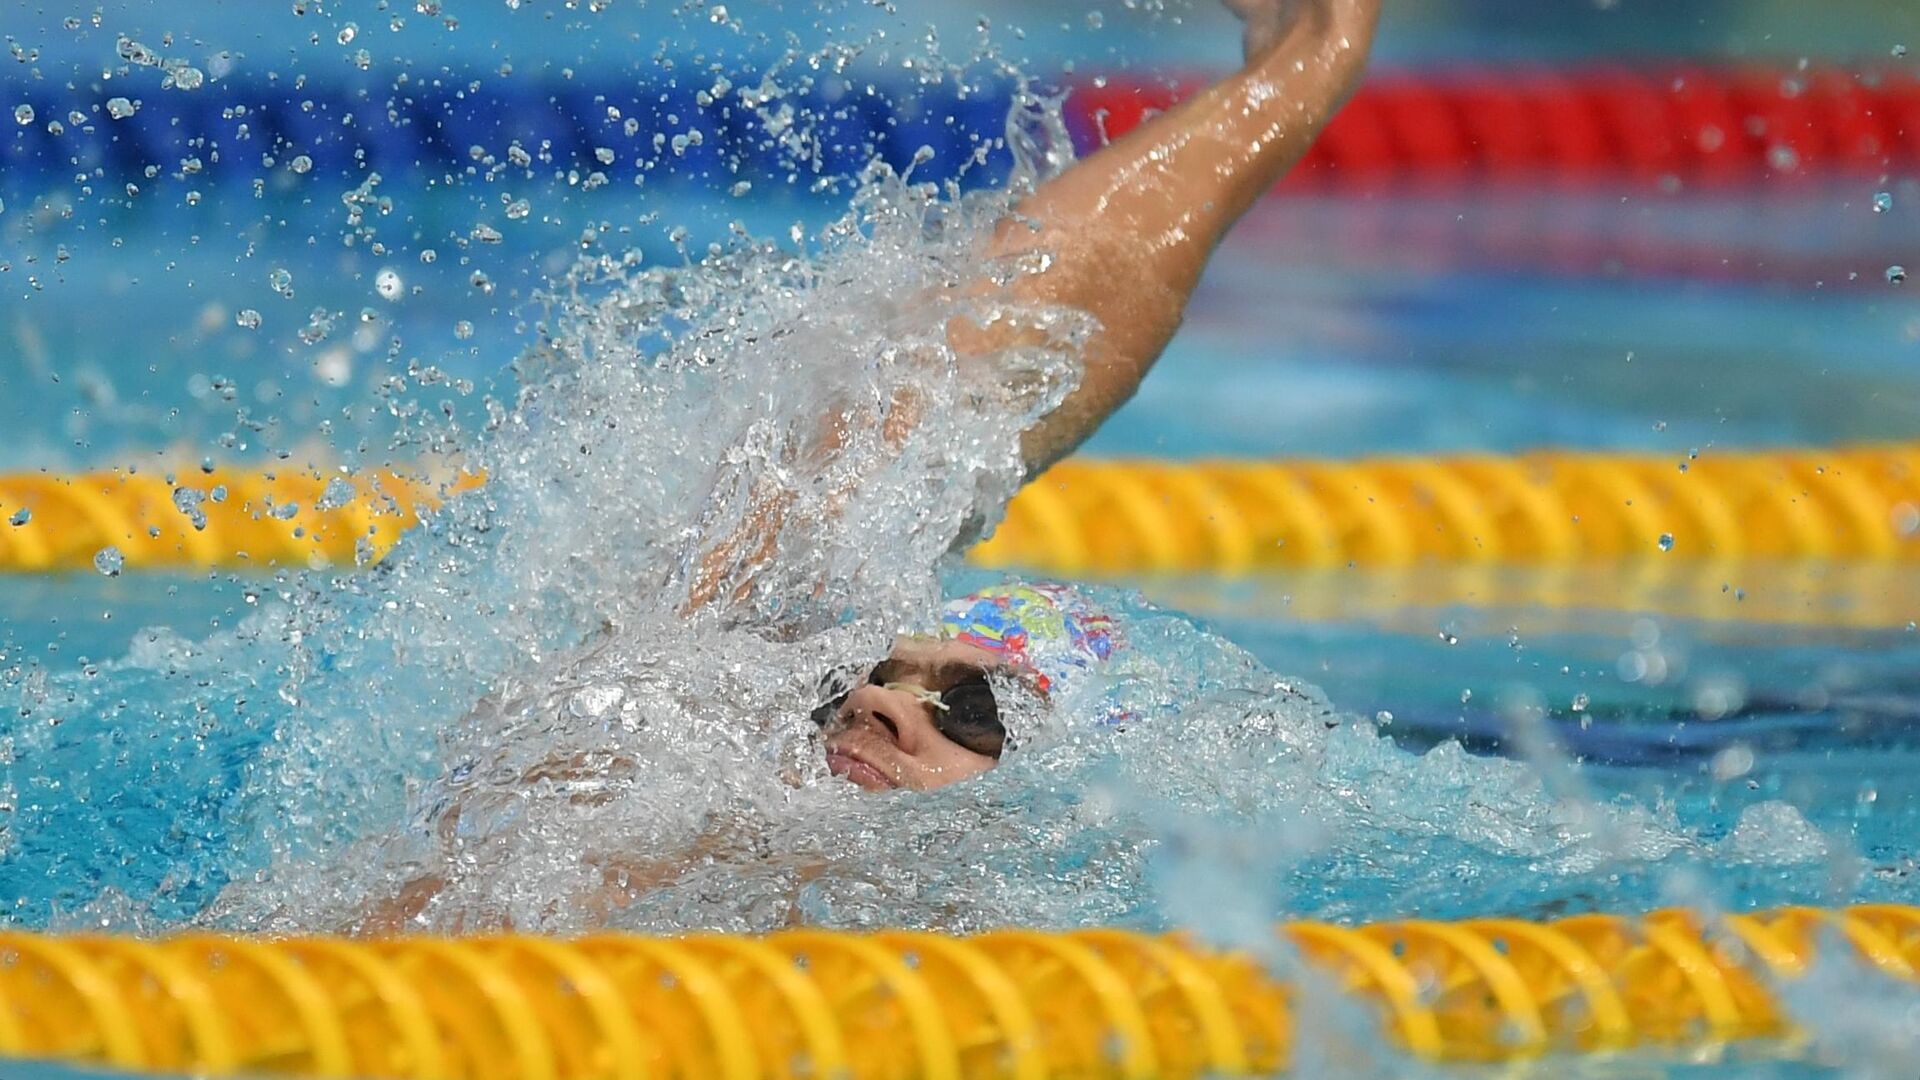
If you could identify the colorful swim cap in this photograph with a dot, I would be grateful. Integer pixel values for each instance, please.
(1050, 630)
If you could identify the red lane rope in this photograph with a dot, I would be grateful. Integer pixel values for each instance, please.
(1702, 127)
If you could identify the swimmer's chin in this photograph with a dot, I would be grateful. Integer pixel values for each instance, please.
(860, 772)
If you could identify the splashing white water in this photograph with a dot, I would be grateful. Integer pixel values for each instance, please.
(789, 434)
(641, 758)
(579, 694)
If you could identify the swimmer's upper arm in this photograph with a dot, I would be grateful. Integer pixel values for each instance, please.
(1086, 264)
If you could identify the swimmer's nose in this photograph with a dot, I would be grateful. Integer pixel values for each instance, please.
(878, 704)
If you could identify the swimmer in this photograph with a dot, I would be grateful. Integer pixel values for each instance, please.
(1128, 231)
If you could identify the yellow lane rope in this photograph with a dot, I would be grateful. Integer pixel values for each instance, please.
(223, 519)
(1091, 518)
(1019, 1004)
(1108, 518)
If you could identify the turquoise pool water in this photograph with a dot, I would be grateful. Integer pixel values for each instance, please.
(1742, 762)
(1488, 753)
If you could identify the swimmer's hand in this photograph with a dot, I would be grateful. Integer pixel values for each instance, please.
(1269, 23)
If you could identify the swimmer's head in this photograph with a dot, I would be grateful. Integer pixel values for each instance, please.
(923, 718)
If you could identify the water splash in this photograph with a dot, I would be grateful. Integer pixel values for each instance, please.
(786, 432)
(527, 704)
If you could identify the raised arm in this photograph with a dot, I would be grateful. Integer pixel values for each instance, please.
(1126, 233)
(1129, 229)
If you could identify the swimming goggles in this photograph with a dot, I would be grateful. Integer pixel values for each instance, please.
(964, 710)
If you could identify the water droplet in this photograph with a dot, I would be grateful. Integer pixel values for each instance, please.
(334, 367)
(1449, 637)
(1906, 520)
(718, 14)
(301, 164)
(20, 517)
(482, 282)
(1580, 702)
(187, 500)
(463, 330)
(487, 234)
(247, 319)
(1383, 717)
(518, 209)
(1732, 763)
(188, 78)
(280, 280)
(347, 34)
(1896, 275)
(120, 108)
(593, 702)
(108, 561)
(1666, 541)
(388, 284)
(603, 155)
(1882, 201)
(338, 493)
(1899, 51)
(319, 326)
(23, 115)
(428, 255)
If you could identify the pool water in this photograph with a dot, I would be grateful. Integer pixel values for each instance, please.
(1325, 328)
(1477, 750)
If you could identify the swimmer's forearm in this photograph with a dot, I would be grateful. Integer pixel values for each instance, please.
(1130, 228)
(1180, 179)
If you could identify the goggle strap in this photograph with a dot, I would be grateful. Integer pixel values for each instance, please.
(921, 693)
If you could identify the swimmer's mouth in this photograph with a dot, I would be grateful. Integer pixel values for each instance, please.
(851, 766)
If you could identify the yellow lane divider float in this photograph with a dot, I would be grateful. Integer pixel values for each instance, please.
(1088, 518)
(1095, 518)
(1017, 1004)
(222, 519)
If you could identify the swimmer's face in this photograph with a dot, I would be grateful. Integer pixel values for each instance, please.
(889, 732)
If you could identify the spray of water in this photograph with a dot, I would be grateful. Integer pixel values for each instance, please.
(577, 696)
